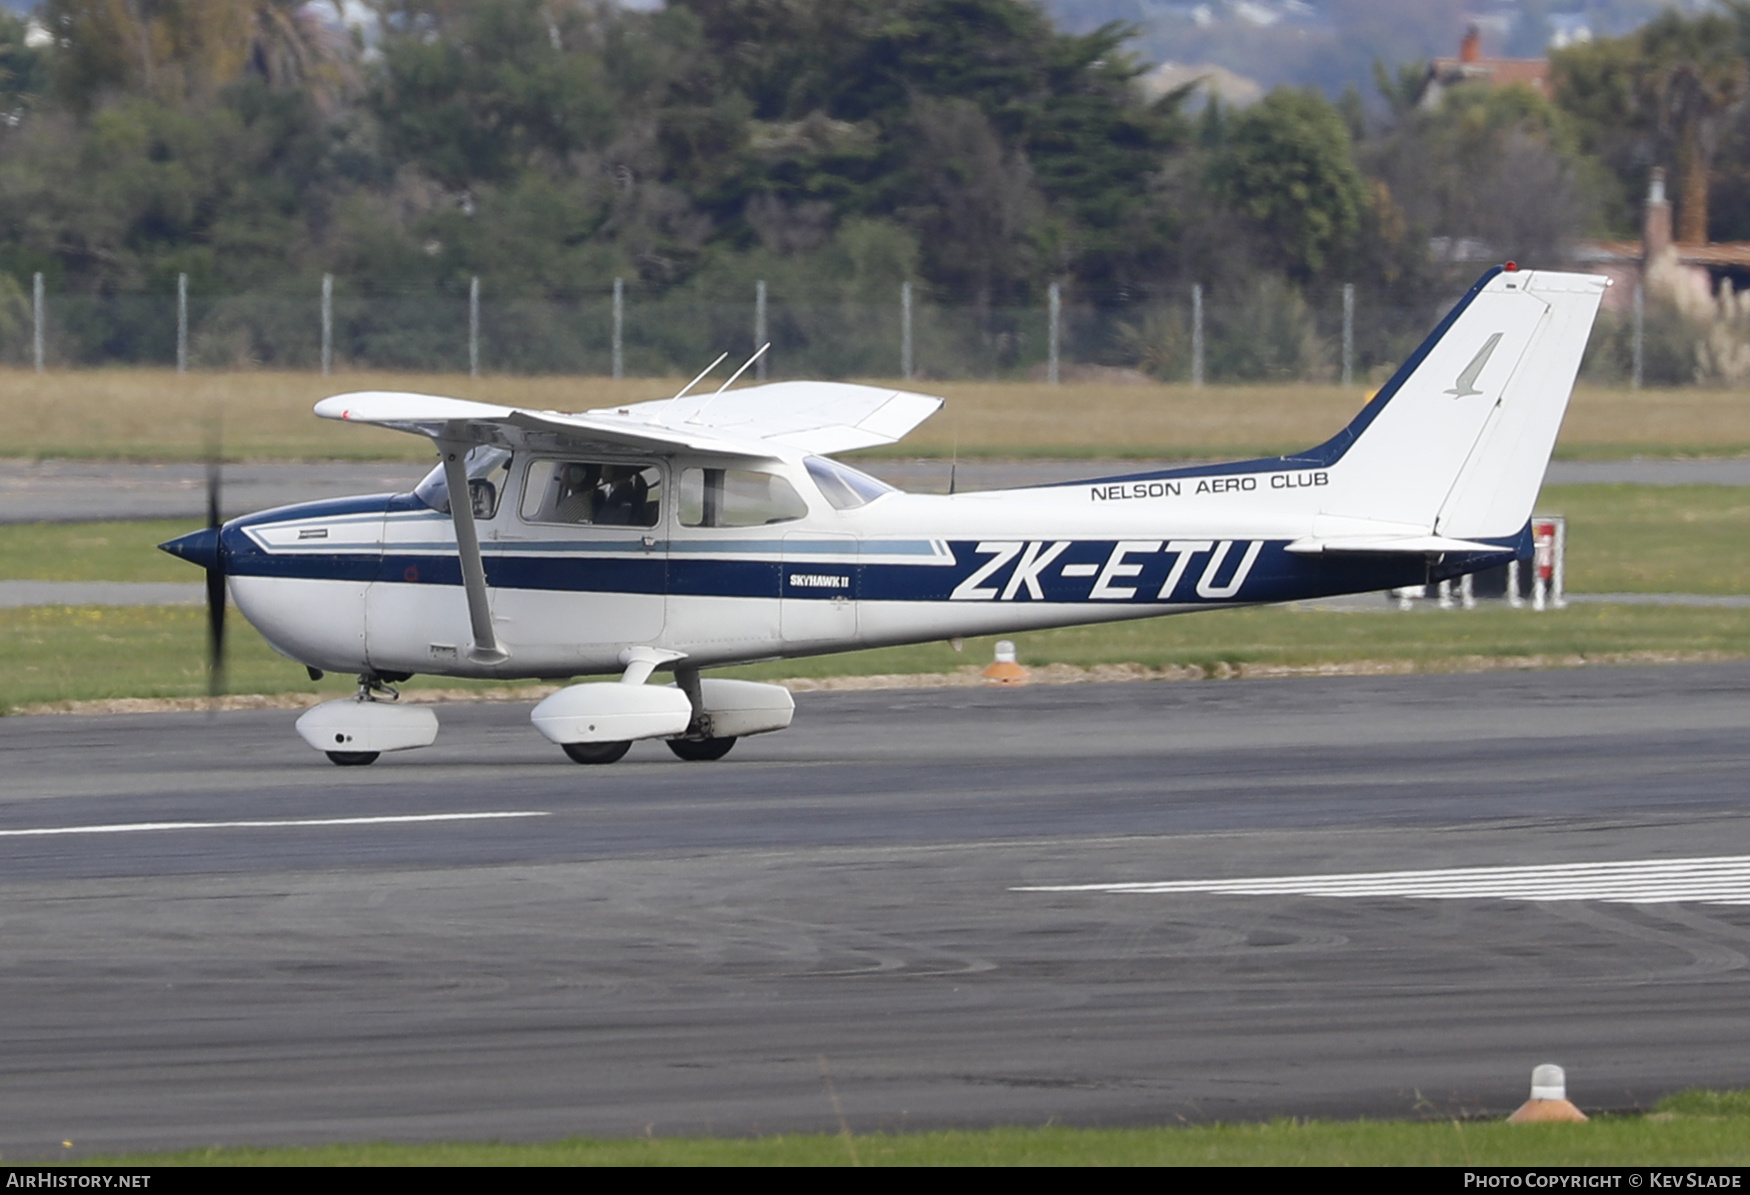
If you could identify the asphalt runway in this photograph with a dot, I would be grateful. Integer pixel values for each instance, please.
(690, 948)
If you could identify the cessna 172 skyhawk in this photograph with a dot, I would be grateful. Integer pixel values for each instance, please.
(708, 530)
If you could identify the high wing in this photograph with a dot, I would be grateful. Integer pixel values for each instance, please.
(756, 422)
(807, 416)
(813, 416)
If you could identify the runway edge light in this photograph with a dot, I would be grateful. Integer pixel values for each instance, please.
(1549, 1099)
(1004, 670)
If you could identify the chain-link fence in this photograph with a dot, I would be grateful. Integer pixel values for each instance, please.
(1268, 333)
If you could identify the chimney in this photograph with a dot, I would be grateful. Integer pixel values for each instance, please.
(1656, 237)
(1471, 48)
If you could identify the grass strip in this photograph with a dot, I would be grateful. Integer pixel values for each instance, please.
(58, 654)
(112, 551)
(1692, 1129)
(1654, 539)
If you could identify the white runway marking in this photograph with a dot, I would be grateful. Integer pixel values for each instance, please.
(143, 827)
(1724, 880)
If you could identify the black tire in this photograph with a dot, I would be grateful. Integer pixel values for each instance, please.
(596, 752)
(700, 750)
(353, 759)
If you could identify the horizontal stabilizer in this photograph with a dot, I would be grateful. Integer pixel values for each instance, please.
(1390, 545)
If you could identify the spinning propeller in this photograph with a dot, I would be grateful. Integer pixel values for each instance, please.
(204, 548)
(215, 587)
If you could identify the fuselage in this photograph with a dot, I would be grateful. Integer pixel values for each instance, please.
(727, 561)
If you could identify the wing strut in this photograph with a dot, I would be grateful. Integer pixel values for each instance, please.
(486, 649)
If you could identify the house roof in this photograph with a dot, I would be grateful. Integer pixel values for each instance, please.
(1718, 253)
(1496, 72)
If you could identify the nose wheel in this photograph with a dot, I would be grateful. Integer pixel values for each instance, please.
(352, 759)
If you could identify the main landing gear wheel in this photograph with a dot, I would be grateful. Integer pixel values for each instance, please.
(596, 752)
(698, 750)
(353, 759)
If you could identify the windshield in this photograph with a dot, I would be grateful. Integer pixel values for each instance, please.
(844, 486)
(487, 468)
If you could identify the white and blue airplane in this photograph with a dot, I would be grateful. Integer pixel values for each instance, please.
(708, 530)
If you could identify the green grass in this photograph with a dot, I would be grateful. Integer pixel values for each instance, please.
(89, 653)
(1654, 539)
(118, 551)
(1693, 1129)
(1224, 642)
(85, 653)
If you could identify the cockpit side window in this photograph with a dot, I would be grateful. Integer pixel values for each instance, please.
(737, 498)
(592, 493)
(486, 466)
(843, 486)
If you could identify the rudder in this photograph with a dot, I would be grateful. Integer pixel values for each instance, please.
(1460, 443)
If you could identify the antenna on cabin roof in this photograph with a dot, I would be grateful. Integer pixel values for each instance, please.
(758, 353)
(683, 390)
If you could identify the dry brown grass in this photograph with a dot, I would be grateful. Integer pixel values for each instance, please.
(1035, 419)
(156, 414)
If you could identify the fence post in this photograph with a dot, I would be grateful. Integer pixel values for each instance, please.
(1640, 332)
(619, 328)
(1348, 334)
(36, 287)
(182, 323)
(327, 324)
(905, 330)
(759, 327)
(1056, 332)
(1197, 334)
(474, 326)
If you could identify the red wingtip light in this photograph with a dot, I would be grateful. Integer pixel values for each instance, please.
(1511, 267)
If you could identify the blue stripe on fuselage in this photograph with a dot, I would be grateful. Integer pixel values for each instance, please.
(1097, 572)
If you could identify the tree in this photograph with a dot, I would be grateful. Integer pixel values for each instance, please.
(846, 99)
(1499, 165)
(977, 207)
(1658, 96)
(1691, 74)
(505, 84)
(1286, 167)
(176, 50)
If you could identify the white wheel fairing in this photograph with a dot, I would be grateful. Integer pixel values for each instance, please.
(351, 727)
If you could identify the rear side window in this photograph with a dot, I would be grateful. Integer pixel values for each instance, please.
(737, 498)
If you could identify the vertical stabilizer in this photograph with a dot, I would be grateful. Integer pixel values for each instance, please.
(1458, 441)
